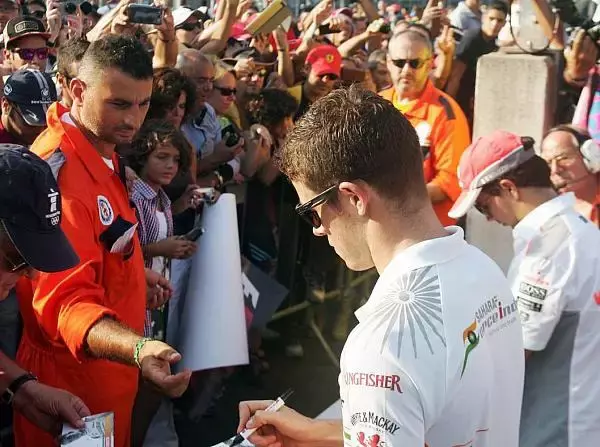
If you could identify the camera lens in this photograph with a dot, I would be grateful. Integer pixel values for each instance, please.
(70, 8)
(86, 8)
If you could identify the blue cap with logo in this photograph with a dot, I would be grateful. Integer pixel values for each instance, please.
(30, 210)
(32, 92)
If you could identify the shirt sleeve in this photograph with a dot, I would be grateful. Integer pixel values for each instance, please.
(67, 304)
(542, 288)
(450, 138)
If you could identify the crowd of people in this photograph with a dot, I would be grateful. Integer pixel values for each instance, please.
(354, 124)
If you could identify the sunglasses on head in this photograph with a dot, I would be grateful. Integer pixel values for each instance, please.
(190, 26)
(28, 54)
(307, 210)
(226, 91)
(412, 63)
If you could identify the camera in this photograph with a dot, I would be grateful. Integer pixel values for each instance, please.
(70, 7)
(230, 136)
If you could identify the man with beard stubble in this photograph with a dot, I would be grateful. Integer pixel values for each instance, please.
(82, 327)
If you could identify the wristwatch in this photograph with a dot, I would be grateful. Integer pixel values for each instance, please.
(9, 394)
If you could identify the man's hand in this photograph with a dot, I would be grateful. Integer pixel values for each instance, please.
(284, 428)
(156, 359)
(446, 42)
(120, 24)
(49, 407)
(159, 289)
(54, 19)
(322, 11)
(166, 29)
(223, 153)
(581, 57)
(175, 247)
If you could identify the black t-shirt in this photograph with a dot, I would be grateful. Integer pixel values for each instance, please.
(471, 47)
(302, 107)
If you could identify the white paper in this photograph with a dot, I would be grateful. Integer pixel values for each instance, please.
(99, 431)
(244, 443)
(213, 324)
(249, 290)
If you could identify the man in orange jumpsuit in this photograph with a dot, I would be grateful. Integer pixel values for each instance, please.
(440, 123)
(82, 326)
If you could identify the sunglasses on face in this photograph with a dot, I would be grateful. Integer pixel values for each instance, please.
(190, 26)
(226, 91)
(28, 54)
(307, 210)
(38, 14)
(412, 63)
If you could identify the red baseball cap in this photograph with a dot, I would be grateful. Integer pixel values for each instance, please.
(325, 59)
(485, 160)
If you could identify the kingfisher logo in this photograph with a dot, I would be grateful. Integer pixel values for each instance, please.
(491, 317)
(390, 382)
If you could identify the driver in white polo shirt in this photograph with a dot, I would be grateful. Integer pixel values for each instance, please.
(437, 356)
(555, 276)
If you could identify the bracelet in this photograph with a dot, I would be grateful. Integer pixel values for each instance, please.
(166, 40)
(9, 394)
(138, 347)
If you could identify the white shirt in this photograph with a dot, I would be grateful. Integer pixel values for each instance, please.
(158, 262)
(437, 356)
(555, 276)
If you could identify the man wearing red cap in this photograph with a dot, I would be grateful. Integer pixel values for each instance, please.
(555, 277)
(323, 67)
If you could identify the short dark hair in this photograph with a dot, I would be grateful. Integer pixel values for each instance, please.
(168, 85)
(152, 134)
(271, 106)
(125, 54)
(499, 5)
(353, 134)
(70, 52)
(534, 173)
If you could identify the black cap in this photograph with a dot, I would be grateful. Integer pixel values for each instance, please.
(23, 26)
(30, 210)
(32, 91)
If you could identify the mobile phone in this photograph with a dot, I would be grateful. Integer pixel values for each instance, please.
(145, 14)
(327, 29)
(194, 234)
(230, 135)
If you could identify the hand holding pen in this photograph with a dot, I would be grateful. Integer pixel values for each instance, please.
(282, 427)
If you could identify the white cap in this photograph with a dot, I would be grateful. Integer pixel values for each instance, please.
(181, 14)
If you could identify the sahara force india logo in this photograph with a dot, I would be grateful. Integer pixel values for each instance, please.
(490, 318)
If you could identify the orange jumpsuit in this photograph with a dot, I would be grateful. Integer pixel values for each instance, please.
(64, 306)
(444, 134)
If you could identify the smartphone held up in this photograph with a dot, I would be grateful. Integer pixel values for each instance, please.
(145, 14)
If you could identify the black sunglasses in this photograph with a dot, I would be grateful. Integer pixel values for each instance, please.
(190, 26)
(306, 210)
(226, 91)
(412, 63)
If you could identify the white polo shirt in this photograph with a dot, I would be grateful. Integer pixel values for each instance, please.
(437, 357)
(555, 276)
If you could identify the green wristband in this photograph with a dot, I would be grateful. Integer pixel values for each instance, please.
(138, 347)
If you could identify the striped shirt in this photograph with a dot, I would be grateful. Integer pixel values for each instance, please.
(147, 202)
